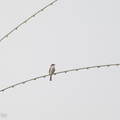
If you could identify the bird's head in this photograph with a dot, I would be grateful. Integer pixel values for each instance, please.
(52, 64)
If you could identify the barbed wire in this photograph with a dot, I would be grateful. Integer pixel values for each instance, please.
(26, 20)
(66, 71)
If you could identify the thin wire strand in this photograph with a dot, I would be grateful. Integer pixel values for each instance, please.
(66, 71)
(26, 20)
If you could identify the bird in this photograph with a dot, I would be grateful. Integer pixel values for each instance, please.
(51, 71)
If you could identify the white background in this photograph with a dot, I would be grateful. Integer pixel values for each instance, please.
(71, 34)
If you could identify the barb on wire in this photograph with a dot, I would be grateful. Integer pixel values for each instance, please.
(26, 20)
(66, 71)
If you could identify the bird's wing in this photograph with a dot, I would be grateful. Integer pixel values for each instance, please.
(51, 70)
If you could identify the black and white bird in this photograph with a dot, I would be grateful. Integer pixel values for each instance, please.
(51, 71)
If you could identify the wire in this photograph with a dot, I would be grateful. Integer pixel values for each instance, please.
(26, 21)
(66, 71)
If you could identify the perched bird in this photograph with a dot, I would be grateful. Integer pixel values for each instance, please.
(51, 71)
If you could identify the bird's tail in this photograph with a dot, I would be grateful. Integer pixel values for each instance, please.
(50, 77)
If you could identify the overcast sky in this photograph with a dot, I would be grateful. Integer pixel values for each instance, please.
(70, 34)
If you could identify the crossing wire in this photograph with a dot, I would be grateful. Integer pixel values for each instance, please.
(27, 20)
(66, 71)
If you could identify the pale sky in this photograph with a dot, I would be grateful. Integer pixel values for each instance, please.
(70, 34)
